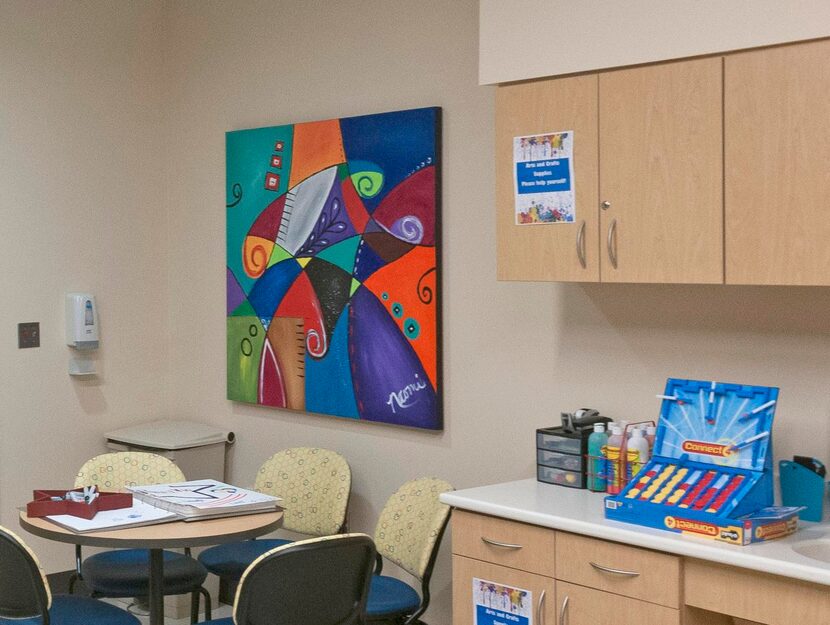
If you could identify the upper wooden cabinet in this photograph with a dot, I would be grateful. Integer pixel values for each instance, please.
(557, 252)
(661, 173)
(646, 142)
(713, 170)
(777, 149)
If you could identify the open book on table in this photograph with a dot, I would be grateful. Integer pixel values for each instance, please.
(201, 499)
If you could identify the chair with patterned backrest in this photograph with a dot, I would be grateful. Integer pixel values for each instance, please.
(25, 597)
(408, 533)
(320, 581)
(125, 572)
(314, 485)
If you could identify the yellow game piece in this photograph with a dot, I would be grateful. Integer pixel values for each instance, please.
(658, 481)
(670, 485)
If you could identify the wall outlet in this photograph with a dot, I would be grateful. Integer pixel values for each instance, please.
(28, 335)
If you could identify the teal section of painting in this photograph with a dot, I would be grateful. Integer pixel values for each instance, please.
(247, 157)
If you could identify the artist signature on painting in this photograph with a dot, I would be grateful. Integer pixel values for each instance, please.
(405, 398)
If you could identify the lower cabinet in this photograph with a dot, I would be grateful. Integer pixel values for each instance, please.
(577, 605)
(542, 598)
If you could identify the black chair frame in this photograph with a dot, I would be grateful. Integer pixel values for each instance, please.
(247, 610)
(415, 617)
(34, 578)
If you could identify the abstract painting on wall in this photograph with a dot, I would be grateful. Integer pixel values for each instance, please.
(333, 267)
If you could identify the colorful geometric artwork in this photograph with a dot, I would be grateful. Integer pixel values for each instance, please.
(333, 272)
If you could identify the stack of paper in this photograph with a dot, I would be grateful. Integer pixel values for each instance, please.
(139, 514)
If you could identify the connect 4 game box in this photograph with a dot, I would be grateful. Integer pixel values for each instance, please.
(710, 473)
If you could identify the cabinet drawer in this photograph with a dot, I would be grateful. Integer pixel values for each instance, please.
(576, 605)
(467, 595)
(623, 570)
(517, 545)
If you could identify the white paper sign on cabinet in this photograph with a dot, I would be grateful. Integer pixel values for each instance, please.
(498, 604)
(544, 178)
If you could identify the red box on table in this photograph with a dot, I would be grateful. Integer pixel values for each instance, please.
(42, 504)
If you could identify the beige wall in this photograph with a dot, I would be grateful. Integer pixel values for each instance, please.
(515, 353)
(82, 209)
(530, 38)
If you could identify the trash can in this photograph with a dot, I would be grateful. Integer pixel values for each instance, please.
(198, 449)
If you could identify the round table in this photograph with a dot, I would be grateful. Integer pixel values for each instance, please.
(158, 537)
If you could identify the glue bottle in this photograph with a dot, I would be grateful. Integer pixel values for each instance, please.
(596, 460)
(614, 464)
(637, 454)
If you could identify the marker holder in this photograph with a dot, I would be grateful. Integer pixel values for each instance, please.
(711, 466)
(42, 504)
(615, 472)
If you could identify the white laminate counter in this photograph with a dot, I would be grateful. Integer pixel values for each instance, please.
(582, 512)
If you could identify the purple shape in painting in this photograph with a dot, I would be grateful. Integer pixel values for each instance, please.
(333, 225)
(390, 383)
(235, 293)
(409, 229)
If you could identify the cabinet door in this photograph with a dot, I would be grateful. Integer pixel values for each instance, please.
(661, 172)
(777, 153)
(578, 605)
(566, 252)
(464, 570)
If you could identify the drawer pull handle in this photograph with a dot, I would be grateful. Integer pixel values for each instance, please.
(580, 245)
(496, 543)
(540, 612)
(606, 569)
(563, 612)
(611, 244)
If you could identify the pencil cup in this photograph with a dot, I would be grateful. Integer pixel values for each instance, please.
(802, 487)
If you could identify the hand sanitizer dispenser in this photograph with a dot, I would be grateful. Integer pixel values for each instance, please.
(81, 321)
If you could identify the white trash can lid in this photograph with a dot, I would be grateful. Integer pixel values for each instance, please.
(169, 434)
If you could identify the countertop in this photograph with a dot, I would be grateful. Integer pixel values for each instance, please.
(582, 512)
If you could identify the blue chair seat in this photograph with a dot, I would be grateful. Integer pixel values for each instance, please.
(125, 573)
(229, 561)
(73, 610)
(220, 621)
(389, 596)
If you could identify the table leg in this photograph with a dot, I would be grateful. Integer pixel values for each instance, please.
(156, 587)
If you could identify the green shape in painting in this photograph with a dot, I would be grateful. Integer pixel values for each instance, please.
(246, 337)
(367, 183)
(355, 286)
(278, 255)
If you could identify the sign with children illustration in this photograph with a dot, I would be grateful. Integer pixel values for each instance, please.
(497, 604)
(544, 178)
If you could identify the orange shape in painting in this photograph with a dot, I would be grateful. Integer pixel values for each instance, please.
(255, 254)
(410, 282)
(317, 146)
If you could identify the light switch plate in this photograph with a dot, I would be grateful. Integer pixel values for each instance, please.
(28, 335)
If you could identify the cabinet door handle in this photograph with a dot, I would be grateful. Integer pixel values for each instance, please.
(606, 569)
(540, 612)
(563, 611)
(496, 543)
(611, 244)
(580, 245)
